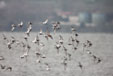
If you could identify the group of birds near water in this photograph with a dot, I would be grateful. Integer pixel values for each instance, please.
(59, 45)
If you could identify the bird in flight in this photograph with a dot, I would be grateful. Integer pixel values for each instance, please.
(45, 22)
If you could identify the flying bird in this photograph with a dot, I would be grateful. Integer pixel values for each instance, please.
(57, 46)
(4, 37)
(29, 29)
(2, 66)
(40, 33)
(45, 22)
(20, 24)
(56, 26)
(47, 67)
(2, 58)
(73, 29)
(80, 65)
(61, 39)
(13, 27)
(36, 40)
(9, 68)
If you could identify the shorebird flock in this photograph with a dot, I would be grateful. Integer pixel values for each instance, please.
(60, 45)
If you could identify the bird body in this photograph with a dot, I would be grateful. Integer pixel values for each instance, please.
(20, 24)
(45, 22)
(13, 27)
(2, 66)
(2, 58)
(9, 68)
(40, 33)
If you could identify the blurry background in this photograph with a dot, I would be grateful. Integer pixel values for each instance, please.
(93, 19)
(85, 15)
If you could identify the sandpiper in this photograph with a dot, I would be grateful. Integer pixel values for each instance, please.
(29, 29)
(36, 40)
(80, 65)
(9, 68)
(45, 22)
(61, 39)
(26, 38)
(56, 26)
(73, 29)
(41, 44)
(47, 67)
(9, 45)
(49, 35)
(65, 63)
(2, 58)
(65, 50)
(20, 24)
(38, 57)
(13, 27)
(24, 55)
(40, 33)
(57, 46)
(2, 66)
(4, 37)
